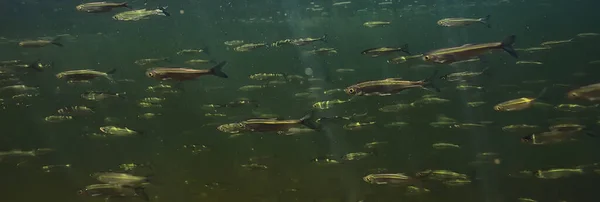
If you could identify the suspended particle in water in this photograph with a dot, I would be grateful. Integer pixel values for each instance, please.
(181, 12)
(308, 71)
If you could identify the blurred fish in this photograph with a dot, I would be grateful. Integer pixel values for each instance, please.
(376, 52)
(554, 136)
(191, 51)
(388, 86)
(589, 92)
(403, 59)
(17, 89)
(322, 51)
(100, 95)
(469, 51)
(234, 42)
(266, 125)
(558, 173)
(39, 43)
(100, 7)
(183, 74)
(148, 61)
(520, 128)
(306, 41)
(198, 61)
(57, 119)
(443, 145)
(459, 22)
(141, 14)
(75, 110)
(529, 63)
(113, 190)
(548, 43)
(355, 156)
(588, 34)
(376, 23)
(249, 47)
(118, 131)
(84, 75)
(390, 179)
(120, 178)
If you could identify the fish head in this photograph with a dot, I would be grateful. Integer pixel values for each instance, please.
(352, 90)
(231, 127)
(79, 7)
(498, 108)
(82, 192)
(436, 59)
(573, 95)
(528, 139)
(152, 73)
(369, 179)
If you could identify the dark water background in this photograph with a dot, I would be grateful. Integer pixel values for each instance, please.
(100, 43)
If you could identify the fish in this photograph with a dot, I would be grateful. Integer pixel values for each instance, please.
(16, 89)
(183, 74)
(558, 173)
(589, 92)
(590, 34)
(529, 62)
(389, 179)
(388, 86)
(322, 51)
(75, 110)
(267, 125)
(458, 22)
(554, 136)
(443, 145)
(192, 51)
(376, 52)
(469, 51)
(548, 43)
(113, 190)
(120, 178)
(520, 128)
(84, 75)
(234, 42)
(198, 61)
(141, 14)
(376, 23)
(249, 47)
(355, 156)
(517, 104)
(118, 131)
(57, 119)
(39, 43)
(148, 61)
(441, 175)
(306, 41)
(100, 95)
(403, 59)
(100, 7)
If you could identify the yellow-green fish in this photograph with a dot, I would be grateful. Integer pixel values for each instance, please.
(469, 51)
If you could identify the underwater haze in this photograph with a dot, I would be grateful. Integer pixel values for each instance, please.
(307, 101)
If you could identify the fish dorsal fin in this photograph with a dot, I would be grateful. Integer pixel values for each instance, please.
(394, 79)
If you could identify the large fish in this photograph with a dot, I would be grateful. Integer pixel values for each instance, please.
(84, 75)
(183, 74)
(388, 86)
(469, 51)
(267, 125)
(141, 14)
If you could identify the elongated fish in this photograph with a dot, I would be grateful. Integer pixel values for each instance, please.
(468, 51)
(141, 14)
(589, 92)
(100, 7)
(267, 125)
(375, 52)
(517, 104)
(458, 22)
(388, 86)
(183, 74)
(113, 190)
(39, 43)
(84, 74)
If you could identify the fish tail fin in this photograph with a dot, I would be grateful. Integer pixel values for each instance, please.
(324, 38)
(542, 93)
(429, 81)
(486, 71)
(126, 5)
(56, 41)
(486, 21)
(307, 121)
(141, 192)
(216, 70)
(405, 49)
(507, 45)
(163, 9)
(112, 71)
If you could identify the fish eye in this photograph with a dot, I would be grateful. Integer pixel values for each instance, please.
(427, 57)
(150, 74)
(351, 91)
(80, 192)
